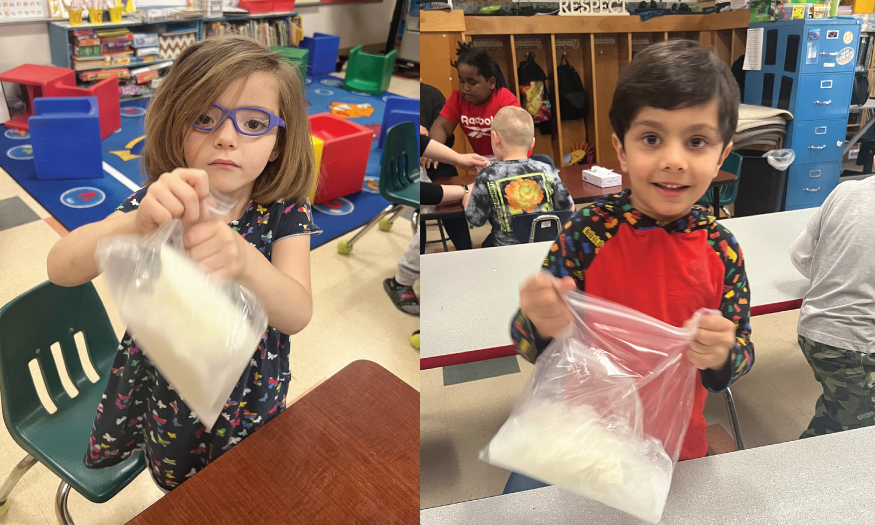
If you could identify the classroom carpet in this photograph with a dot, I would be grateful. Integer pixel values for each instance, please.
(77, 202)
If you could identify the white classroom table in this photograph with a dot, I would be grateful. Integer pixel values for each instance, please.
(818, 481)
(470, 296)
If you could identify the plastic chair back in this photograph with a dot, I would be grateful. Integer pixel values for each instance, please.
(393, 104)
(369, 73)
(29, 327)
(728, 193)
(399, 174)
(540, 226)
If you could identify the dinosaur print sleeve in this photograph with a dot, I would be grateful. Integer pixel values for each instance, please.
(735, 306)
(570, 256)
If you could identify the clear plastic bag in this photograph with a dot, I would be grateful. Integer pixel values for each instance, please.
(607, 410)
(198, 331)
(780, 159)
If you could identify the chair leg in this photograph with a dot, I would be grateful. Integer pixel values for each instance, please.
(370, 224)
(728, 215)
(396, 213)
(414, 221)
(61, 510)
(443, 235)
(14, 477)
(733, 418)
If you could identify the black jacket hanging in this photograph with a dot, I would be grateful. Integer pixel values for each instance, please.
(534, 95)
(572, 96)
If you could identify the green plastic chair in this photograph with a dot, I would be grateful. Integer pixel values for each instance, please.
(296, 56)
(728, 193)
(369, 73)
(29, 325)
(399, 181)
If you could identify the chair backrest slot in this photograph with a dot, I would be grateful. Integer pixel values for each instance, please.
(85, 357)
(63, 373)
(39, 382)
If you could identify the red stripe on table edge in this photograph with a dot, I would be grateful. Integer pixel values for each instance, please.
(460, 358)
(773, 308)
(427, 363)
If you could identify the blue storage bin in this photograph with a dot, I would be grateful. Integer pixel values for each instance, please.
(323, 52)
(396, 104)
(65, 135)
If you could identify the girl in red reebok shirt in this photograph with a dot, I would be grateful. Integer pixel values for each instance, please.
(475, 103)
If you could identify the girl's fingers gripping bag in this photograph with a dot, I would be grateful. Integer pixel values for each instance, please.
(607, 410)
(198, 331)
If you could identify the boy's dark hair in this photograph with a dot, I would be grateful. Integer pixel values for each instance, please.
(672, 75)
(479, 60)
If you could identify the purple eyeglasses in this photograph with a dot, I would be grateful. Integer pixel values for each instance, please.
(249, 121)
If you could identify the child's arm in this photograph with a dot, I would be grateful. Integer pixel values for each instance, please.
(561, 198)
(736, 308)
(174, 195)
(441, 130)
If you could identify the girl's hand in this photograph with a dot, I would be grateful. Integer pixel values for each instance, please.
(423, 131)
(427, 163)
(712, 342)
(220, 249)
(175, 195)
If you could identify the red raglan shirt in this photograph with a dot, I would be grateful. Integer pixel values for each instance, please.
(476, 121)
(667, 271)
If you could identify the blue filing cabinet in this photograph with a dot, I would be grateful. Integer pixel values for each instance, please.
(807, 68)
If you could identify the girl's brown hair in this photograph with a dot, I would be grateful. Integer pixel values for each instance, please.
(199, 76)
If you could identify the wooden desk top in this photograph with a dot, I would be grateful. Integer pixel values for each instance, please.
(572, 177)
(347, 452)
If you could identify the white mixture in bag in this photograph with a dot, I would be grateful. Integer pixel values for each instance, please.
(574, 448)
(193, 332)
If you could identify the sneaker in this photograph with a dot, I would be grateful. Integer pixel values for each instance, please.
(402, 296)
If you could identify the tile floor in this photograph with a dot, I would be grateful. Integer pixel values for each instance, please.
(353, 320)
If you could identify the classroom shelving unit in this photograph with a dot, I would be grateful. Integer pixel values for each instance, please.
(598, 47)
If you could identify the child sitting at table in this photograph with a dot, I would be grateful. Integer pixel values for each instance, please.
(835, 328)
(515, 184)
(674, 112)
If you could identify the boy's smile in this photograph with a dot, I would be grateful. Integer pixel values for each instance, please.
(671, 157)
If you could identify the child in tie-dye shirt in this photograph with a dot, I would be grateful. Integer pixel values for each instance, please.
(231, 117)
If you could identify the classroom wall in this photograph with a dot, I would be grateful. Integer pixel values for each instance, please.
(29, 43)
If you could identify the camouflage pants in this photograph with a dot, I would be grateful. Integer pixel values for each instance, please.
(848, 381)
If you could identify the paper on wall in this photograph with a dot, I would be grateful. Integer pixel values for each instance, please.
(753, 57)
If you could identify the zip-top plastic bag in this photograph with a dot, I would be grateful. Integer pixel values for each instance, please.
(199, 332)
(607, 410)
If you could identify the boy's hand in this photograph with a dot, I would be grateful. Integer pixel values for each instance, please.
(541, 301)
(220, 249)
(175, 195)
(712, 342)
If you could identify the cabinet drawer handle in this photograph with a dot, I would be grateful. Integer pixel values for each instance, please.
(817, 147)
(829, 54)
(826, 84)
(811, 174)
(809, 190)
(820, 130)
(822, 103)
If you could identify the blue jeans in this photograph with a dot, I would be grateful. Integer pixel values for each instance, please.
(518, 483)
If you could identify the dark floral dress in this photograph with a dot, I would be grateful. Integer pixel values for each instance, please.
(140, 411)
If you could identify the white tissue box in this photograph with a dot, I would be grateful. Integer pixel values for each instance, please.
(602, 177)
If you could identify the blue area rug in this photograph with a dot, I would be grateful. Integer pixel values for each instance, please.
(78, 202)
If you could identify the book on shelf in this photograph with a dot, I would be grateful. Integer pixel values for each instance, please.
(869, 53)
(119, 58)
(120, 73)
(86, 51)
(85, 64)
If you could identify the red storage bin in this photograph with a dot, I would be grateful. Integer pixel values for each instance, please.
(256, 7)
(344, 156)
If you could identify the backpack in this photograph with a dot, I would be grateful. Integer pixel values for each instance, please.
(572, 95)
(860, 94)
(534, 95)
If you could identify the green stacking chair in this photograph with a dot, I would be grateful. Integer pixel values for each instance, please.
(399, 181)
(369, 73)
(296, 56)
(728, 193)
(29, 326)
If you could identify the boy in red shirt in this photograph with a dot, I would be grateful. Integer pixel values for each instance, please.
(475, 103)
(674, 112)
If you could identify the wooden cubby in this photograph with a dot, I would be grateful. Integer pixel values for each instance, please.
(598, 47)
